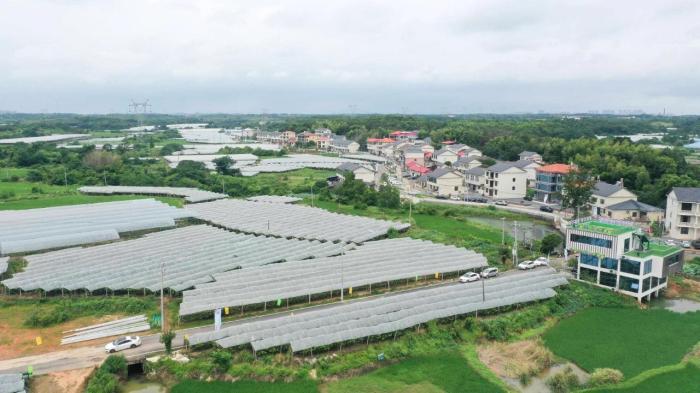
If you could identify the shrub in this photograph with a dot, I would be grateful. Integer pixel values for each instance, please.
(115, 364)
(103, 382)
(222, 360)
(166, 339)
(563, 381)
(605, 376)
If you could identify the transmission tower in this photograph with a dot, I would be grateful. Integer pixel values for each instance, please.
(140, 107)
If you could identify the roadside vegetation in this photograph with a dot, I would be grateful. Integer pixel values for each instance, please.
(431, 341)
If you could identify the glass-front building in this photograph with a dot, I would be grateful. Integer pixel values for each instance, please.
(618, 257)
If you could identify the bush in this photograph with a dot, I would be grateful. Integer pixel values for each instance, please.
(115, 364)
(167, 339)
(68, 309)
(103, 382)
(563, 382)
(605, 376)
(222, 360)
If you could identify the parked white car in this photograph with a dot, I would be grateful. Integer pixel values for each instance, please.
(685, 244)
(489, 272)
(123, 343)
(469, 277)
(541, 261)
(526, 265)
(455, 198)
(501, 203)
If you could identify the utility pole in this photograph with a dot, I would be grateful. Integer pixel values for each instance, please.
(342, 278)
(312, 195)
(223, 186)
(515, 243)
(65, 177)
(483, 290)
(503, 231)
(410, 208)
(162, 304)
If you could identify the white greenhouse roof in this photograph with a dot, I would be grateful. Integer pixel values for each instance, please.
(46, 138)
(192, 195)
(273, 199)
(294, 162)
(208, 159)
(341, 322)
(374, 262)
(12, 383)
(207, 148)
(4, 263)
(191, 255)
(54, 227)
(288, 220)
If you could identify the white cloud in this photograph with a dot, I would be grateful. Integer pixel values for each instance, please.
(214, 55)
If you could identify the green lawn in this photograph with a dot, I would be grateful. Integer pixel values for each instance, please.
(630, 340)
(191, 386)
(684, 378)
(445, 373)
(25, 195)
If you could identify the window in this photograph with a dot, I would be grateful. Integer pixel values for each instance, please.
(647, 267)
(645, 284)
(590, 240)
(588, 259)
(628, 266)
(513, 180)
(513, 188)
(634, 214)
(588, 275)
(609, 263)
(627, 244)
(629, 284)
(685, 218)
(654, 282)
(686, 206)
(602, 201)
(684, 230)
(456, 188)
(608, 279)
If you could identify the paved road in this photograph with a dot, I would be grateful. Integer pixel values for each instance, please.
(91, 356)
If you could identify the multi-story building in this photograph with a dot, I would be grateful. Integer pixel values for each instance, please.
(683, 213)
(606, 194)
(504, 180)
(404, 135)
(531, 156)
(413, 153)
(340, 144)
(445, 182)
(531, 168)
(466, 163)
(375, 145)
(550, 181)
(475, 179)
(617, 255)
(361, 171)
(274, 137)
(289, 138)
(445, 155)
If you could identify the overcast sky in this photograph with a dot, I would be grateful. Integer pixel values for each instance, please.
(322, 56)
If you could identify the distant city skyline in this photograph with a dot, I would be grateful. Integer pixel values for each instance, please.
(316, 57)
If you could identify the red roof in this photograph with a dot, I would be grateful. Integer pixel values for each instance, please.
(415, 167)
(404, 133)
(380, 140)
(448, 142)
(555, 168)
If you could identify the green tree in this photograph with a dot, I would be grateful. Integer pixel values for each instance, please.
(577, 190)
(223, 164)
(550, 242)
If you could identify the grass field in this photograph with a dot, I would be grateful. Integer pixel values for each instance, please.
(681, 378)
(630, 340)
(25, 195)
(191, 386)
(448, 372)
(443, 224)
